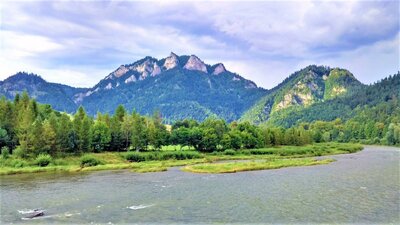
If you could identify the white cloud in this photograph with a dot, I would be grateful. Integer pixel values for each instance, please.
(78, 43)
(16, 46)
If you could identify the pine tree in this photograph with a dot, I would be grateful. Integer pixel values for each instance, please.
(139, 139)
(118, 142)
(82, 126)
(65, 134)
(85, 135)
(49, 138)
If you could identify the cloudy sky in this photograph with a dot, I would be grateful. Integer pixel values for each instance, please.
(80, 42)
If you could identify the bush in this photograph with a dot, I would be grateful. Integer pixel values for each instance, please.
(19, 152)
(149, 156)
(17, 163)
(262, 151)
(245, 152)
(229, 152)
(376, 140)
(5, 152)
(43, 160)
(135, 157)
(89, 160)
(179, 155)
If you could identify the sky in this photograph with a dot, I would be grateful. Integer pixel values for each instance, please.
(80, 42)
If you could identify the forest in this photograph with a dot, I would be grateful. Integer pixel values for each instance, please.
(28, 129)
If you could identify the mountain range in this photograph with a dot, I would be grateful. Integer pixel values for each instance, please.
(183, 87)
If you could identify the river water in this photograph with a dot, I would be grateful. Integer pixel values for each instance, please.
(357, 188)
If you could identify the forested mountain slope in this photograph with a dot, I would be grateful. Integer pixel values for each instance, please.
(59, 96)
(379, 100)
(178, 86)
(303, 89)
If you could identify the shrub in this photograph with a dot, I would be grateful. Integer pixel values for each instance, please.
(245, 152)
(17, 163)
(262, 151)
(229, 152)
(149, 156)
(43, 160)
(19, 152)
(5, 152)
(89, 160)
(135, 157)
(180, 155)
(376, 140)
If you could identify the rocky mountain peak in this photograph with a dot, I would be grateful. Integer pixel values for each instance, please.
(220, 68)
(120, 71)
(194, 63)
(171, 61)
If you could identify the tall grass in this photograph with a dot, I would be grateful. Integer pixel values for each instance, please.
(154, 156)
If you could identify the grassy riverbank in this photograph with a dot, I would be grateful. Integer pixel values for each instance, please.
(154, 161)
(233, 167)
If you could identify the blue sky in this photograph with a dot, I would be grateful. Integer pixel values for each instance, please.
(80, 42)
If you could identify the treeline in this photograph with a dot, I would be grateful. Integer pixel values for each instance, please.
(379, 124)
(29, 129)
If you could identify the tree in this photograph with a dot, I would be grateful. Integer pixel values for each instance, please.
(208, 141)
(139, 139)
(49, 138)
(120, 113)
(226, 142)
(82, 124)
(35, 138)
(125, 133)
(181, 136)
(85, 136)
(390, 135)
(290, 137)
(267, 137)
(4, 138)
(158, 134)
(326, 136)
(248, 140)
(101, 136)
(24, 128)
(236, 139)
(195, 137)
(120, 137)
(66, 137)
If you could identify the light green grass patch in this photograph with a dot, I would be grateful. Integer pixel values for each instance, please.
(233, 167)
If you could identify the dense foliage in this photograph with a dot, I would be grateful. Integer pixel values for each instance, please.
(30, 129)
(371, 115)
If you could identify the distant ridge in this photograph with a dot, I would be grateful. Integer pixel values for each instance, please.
(178, 86)
(182, 87)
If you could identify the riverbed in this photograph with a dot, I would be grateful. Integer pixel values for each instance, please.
(357, 188)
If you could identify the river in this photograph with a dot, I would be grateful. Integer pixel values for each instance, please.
(357, 188)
